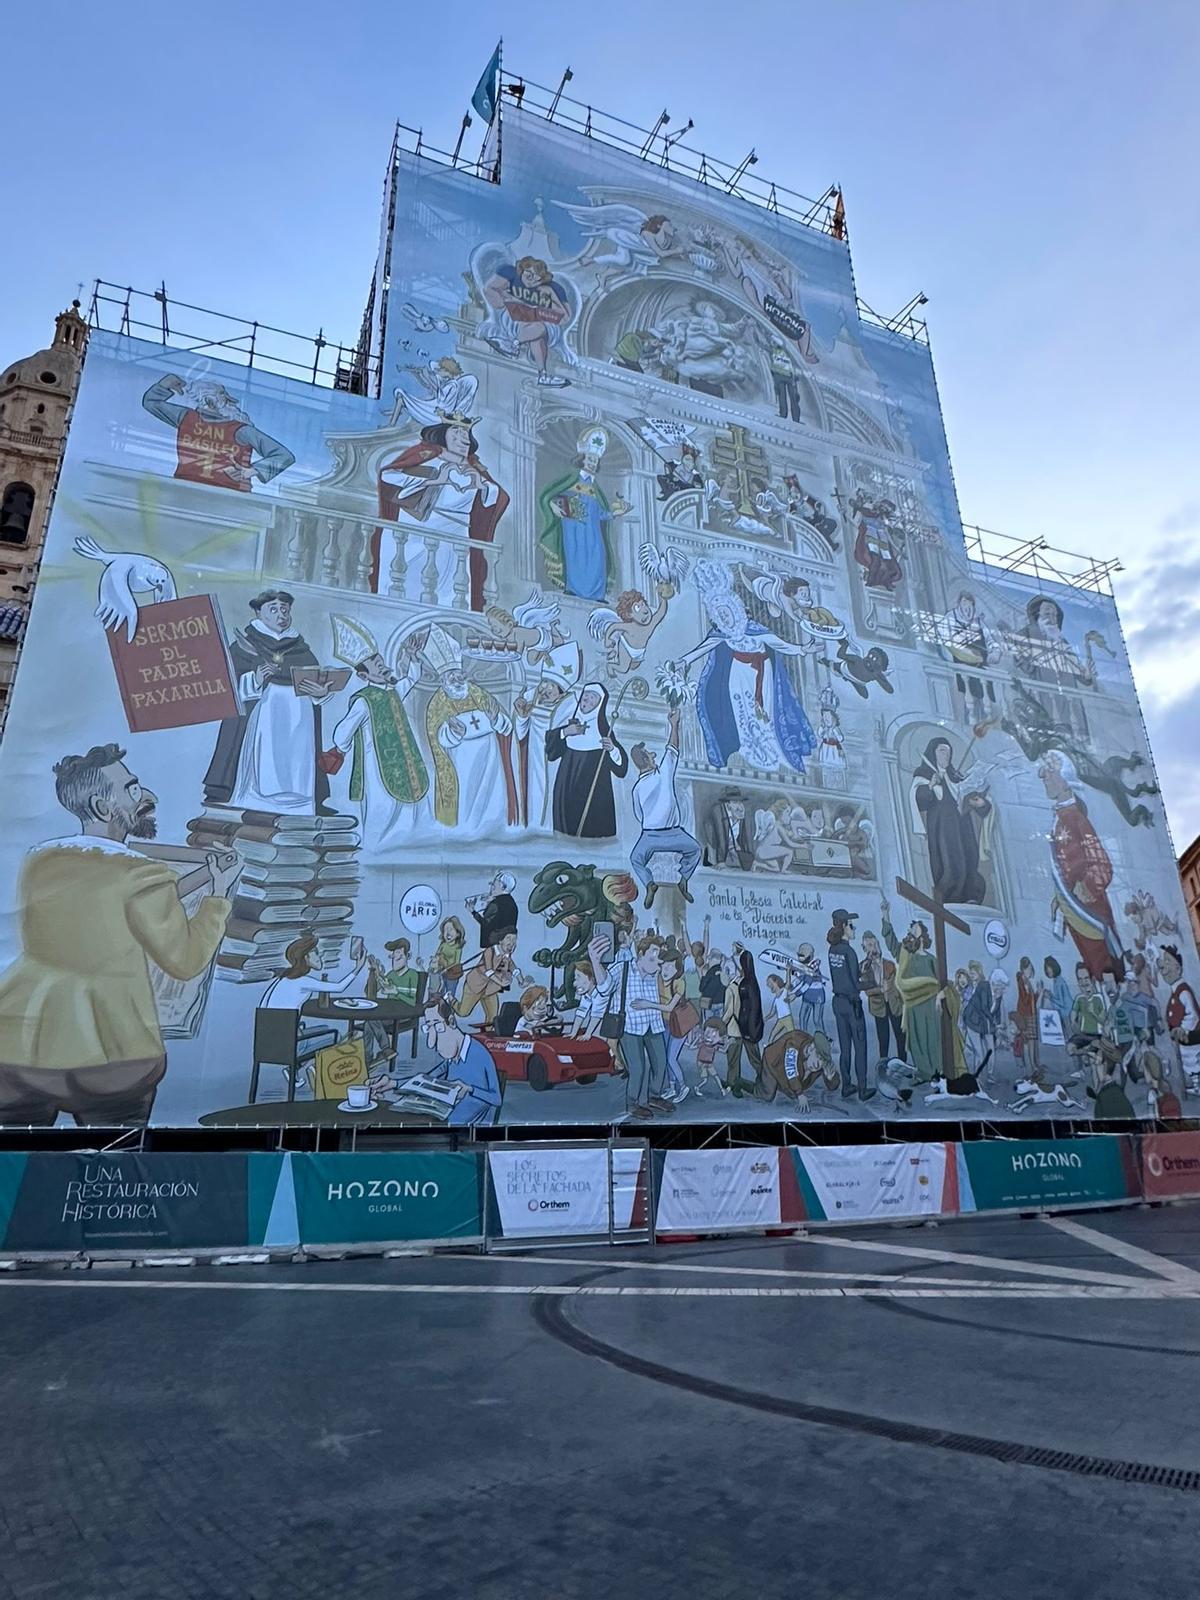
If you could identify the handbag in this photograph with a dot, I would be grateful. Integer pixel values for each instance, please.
(612, 1023)
(682, 1020)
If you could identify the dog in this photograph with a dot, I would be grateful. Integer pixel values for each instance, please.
(964, 1087)
(1032, 1093)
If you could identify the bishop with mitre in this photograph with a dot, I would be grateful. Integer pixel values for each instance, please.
(470, 738)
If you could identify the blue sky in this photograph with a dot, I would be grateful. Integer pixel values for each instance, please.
(1027, 163)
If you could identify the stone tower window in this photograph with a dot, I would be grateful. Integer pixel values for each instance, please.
(48, 377)
(16, 513)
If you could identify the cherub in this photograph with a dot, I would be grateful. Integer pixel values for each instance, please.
(791, 597)
(860, 671)
(628, 629)
(533, 626)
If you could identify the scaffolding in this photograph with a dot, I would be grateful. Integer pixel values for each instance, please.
(153, 315)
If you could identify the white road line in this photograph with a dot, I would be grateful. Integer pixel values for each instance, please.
(1161, 1266)
(1036, 1269)
(796, 1274)
(1143, 1290)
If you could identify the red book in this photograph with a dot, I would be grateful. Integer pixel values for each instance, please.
(176, 670)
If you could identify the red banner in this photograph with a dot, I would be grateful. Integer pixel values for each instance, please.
(1170, 1165)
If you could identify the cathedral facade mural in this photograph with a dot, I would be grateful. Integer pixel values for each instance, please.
(604, 724)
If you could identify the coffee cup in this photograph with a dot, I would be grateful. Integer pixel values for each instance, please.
(358, 1096)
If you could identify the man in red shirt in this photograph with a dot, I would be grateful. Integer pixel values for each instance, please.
(214, 440)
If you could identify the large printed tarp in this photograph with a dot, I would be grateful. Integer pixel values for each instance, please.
(626, 645)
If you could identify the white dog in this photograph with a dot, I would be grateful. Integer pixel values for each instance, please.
(1032, 1093)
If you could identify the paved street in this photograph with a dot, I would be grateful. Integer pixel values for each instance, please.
(849, 1415)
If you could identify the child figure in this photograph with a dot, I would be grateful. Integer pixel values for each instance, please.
(706, 1054)
(780, 1008)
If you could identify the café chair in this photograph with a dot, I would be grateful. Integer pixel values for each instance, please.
(278, 1042)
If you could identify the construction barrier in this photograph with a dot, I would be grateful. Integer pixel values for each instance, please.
(545, 1191)
(1044, 1174)
(135, 1204)
(1170, 1165)
(357, 1199)
(139, 1204)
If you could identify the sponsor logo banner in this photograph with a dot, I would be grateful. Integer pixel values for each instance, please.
(1170, 1165)
(1031, 1173)
(707, 1190)
(551, 1191)
(115, 1201)
(344, 1199)
(848, 1183)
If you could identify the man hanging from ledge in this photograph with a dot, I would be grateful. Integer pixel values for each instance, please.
(215, 442)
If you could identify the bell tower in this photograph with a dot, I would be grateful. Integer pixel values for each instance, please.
(35, 404)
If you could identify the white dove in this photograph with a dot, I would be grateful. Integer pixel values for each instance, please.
(124, 572)
(669, 566)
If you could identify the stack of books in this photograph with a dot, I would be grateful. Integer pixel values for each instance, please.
(299, 876)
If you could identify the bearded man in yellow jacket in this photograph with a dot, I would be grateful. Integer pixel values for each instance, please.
(79, 1030)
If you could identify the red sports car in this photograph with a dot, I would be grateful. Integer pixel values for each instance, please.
(544, 1059)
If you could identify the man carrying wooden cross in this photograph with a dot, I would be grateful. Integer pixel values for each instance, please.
(931, 1002)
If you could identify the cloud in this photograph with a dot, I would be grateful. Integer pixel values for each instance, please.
(1161, 614)
(1183, 519)
(1173, 729)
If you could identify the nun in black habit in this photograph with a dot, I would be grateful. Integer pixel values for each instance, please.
(588, 757)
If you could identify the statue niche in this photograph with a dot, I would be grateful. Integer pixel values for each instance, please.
(682, 332)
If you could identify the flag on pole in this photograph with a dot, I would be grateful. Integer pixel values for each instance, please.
(488, 88)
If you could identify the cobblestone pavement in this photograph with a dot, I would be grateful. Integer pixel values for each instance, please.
(427, 1428)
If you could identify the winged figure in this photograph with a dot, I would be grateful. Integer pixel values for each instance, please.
(125, 574)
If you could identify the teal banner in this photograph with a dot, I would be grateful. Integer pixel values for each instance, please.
(117, 1201)
(1031, 1174)
(345, 1199)
(12, 1169)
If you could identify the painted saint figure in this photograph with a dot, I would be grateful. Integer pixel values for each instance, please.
(948, 812)
(745, 700)
(388, 775)
(588, 758)
(574, 515)
(470, 737)
(266, 760)
(215, 442)
(875, 547)
(1082, 871)
(442, 484)
(923, 997)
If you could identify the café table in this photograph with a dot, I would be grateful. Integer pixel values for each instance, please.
(397, 1015)
(313, 1114)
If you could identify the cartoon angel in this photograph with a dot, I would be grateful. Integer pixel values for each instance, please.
(627, 629)
(637, 240)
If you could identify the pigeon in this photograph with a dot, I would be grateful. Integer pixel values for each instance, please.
(124, 573)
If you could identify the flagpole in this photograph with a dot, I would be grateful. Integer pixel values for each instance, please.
(499, 102)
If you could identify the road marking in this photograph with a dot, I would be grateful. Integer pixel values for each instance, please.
(1143, 1290)
(793, 1274)
(1037, 1269)
(1161, 1266)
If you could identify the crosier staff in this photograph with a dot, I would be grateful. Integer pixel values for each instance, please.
(640, 690)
